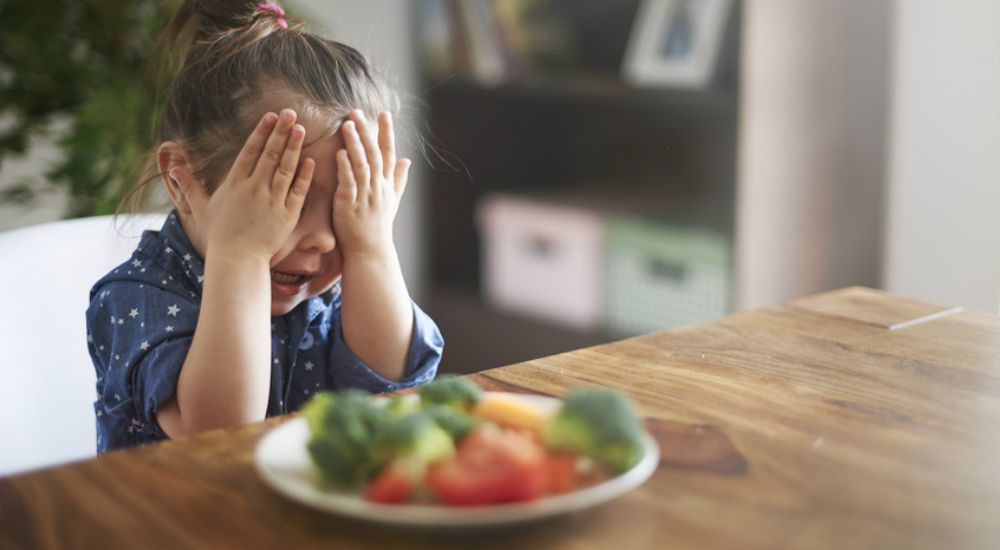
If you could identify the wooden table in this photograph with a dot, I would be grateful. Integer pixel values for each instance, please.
(843, 420)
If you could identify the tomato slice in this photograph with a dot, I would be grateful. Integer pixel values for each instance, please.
(561, 472)
(490, 466)
(390, 487)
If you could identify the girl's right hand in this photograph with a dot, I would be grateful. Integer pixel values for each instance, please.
(257, 205)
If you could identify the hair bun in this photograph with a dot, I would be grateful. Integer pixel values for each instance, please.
(206, 18)
(273, 10)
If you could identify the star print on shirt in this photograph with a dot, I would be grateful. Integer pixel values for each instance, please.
(136, 263)
(169, 328)
(133, 313)
(173, 310)
(144, 345)
(187, 257)
(309, 365)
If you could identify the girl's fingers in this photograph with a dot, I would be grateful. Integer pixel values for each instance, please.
(300, 187)
(402, 173)
(347, 185)
(269, 158)
(361, 171)
(387, 143)
(191, 188)
(246, 160)
(285, 173)
(367, 130)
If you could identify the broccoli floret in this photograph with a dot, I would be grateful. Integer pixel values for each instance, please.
(451, 390)
(402, 405)
(343, 430)
(600, 424)
(416, 436)
(454, 421)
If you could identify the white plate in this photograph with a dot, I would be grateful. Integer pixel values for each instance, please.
(283, 462)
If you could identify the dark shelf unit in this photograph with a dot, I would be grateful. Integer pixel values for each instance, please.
(583, 138)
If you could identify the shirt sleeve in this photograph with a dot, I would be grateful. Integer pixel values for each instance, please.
(140, 335)
(426, 347)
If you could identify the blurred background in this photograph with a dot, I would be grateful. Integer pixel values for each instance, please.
(589, 170)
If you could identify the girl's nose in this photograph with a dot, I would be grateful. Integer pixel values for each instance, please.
(317, 231)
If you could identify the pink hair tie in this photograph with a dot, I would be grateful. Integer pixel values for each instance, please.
(275, 10)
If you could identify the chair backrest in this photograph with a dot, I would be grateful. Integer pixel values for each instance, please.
(47, 386)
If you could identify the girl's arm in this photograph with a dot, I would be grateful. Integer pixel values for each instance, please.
(376, 311)
(225, 379)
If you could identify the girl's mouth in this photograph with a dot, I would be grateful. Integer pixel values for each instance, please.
(287, 284)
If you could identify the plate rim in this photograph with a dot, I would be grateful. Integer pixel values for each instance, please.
(348, 504)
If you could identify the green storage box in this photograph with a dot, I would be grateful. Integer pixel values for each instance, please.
(661, 276)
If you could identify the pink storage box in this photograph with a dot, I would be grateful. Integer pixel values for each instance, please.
(543, 259)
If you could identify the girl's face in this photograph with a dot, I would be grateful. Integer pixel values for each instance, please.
(309, 262)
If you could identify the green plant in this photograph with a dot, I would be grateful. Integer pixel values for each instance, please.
(87, 63)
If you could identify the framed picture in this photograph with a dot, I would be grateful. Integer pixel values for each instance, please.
(676, 42)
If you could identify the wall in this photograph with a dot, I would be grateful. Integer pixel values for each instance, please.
(943, 216)
(812, 135)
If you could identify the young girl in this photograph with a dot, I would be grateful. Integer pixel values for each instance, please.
(275, 276)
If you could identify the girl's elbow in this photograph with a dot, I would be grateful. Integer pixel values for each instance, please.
(177, 423)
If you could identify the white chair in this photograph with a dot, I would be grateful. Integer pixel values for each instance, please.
(47, 385)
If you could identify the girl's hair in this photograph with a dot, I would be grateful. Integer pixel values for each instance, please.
(238, 60)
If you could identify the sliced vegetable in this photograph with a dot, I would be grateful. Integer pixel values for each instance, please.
(392, 486)
(466, 447)
(562, 473)
(512, 411)
(490, 466)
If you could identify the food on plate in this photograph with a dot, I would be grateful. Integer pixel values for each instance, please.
(453, 391)
(599, 424)
(343, 427)
(454, 444)
(407, 445)
(456, 423)
(506, 409)
(491, 465)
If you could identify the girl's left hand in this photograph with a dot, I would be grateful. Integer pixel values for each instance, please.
(370, 185)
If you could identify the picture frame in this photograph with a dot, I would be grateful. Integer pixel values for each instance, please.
(676, 43)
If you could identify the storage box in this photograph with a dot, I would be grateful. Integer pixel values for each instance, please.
(660, 276)
(543, 259)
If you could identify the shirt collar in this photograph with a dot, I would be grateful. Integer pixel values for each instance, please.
(173, 234)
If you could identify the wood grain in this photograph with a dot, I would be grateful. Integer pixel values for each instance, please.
(818, 430)
(875, 307)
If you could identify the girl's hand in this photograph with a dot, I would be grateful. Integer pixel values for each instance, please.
(258, 204)
(370, 185)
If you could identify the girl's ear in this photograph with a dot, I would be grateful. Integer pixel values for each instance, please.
(170, 155)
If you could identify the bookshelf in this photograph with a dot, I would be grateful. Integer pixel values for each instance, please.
(578, 135)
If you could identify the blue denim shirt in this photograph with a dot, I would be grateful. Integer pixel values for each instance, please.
(142, 318)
